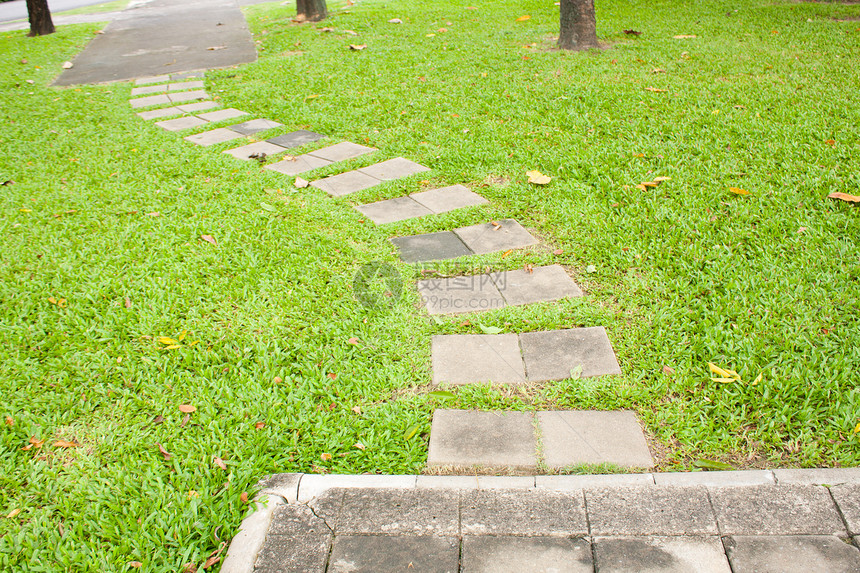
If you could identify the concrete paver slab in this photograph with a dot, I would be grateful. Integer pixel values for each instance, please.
(776, 510)
(715, 479)
(490, 238)
(520, 287)
(297, 542)
(213, 137)
(791, 554)
(258, 149)
(484, 554)
(554, 354)
(345, 183)
(254, 126)
(660, 555)
(817, 476)
(342, 151)
(474, 438)
(429, 247)
(590, 437)
(374, 553)
(592, 481)
(477, 358)
(152, 80)
(515, 512)
(396, 168)
(651, 510)
(848, 499)
(298, 164)
(447, 199)
(147, 101)
(181, 123)
(199, 106)
(180, 97)
(460, 294)
(146, 90)
(393, 210)
(180, 86)
(296, 138)
(188, 75)
(315, 485)
(222, 114)
(399, 512)
(159, 113)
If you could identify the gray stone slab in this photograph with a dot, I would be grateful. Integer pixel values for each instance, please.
(298, 164)
(554, 354)
(517, 512)
(489, 439)
(285, 486)
(152, 80)
(447, 482)
(791, 554)
(448, 198)
(146, 90)
(476, 359)
(345, 183)
(248, 541)
(847, 497)
(181, 123)
(149, 101)
(254, 126)
(716, 479)
(297, 541)
(257, 148)
(222, 114)
(520, 286)
(199, 106)
(817, 476)
(375, 553)
(429, 247)
(342, 151)
(454, 295)
(660, 555)
(651, 510)
(180, 86)
(393, 210)
(193, 75)
(776, 510)
(159, 113)
(484, 554)
(490, 238)
(296, 138)
(213, 137)
(399, 512)
(592, 481)
(188, 96)
(315, 485)
(396, 168)
(589, 437)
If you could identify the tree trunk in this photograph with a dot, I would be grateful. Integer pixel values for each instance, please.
(40, 18)
(578, 25)
(311, 10)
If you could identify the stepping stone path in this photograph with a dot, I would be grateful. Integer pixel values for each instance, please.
(367, 177)
(320, 158)
(421, 204)
(479, 239)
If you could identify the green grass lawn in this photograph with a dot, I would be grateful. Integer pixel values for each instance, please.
(106, 212)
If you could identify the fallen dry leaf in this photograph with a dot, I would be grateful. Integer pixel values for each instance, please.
(185, 419)
(655, 90)
(506, 253)
(219, 462)
(153, 214)
(163, 452)
(360, 446)
(844, 197)
(685, 36)
(325, 457)
(190, 568)
(67, 65)
(213, 48)
(356, 409)
(135, 564)
(538, 178)
(524, 18)
(13, 513)
(127, 302)
(557, 251)
(259, 425)
(332, 375)
(65, 444)
(661, 179)
(830, 142)
(739, 191)
(395, 21)
(300, 183)
(212, 560)
(668, 370)
(209, 239)
(353, 341)
(187, 408)
(357, 47)
(632, 33)
(10, 421)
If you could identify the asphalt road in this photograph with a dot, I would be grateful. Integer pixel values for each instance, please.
(17, 9)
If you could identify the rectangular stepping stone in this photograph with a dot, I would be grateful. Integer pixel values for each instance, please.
(188, 75)
(791, 554)
(420, 204)
(296, 138)
(460, 294)
(448, 198)
(188, 96)
(345, 183)
(399, 512)
(159, 113)
(505, 554)
(587, 437)
(254, 126)
(531, 512)
(213, 137)
(181, 123)
(175, 87)
(374, 553)
(488, 439)
(258, 148)
(666, 554)
(148, 90)
(519, 287)
(152, 80)
(393, 210)
(298, 164)
(342, 152)
(650, 510)
(298, 540)
(430, 247)
(489, 238)
(477, 358)
(396, 168)
(147, 101)
(554, 354)
(199, 106)
(777, 510)
(222, 114)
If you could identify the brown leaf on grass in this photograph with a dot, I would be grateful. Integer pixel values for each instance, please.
(360, 446)
(211, 561)
(157, 420)
(277, 380)
(135, 564)
(357, 47)
(668, 370)
(219, 462)
(259, 425)
(356, 409)
(353, 341)
(632, 33)
(529, 268)
(185, 419)
(844, 197)
(506, 253)
(187, 408)
(65, 444)
(13, 513)
(190, 568)
(325, 457)
(163, 452)
(830, 141)
(332, 375)
(153, 214)
(209, 239)
(655, 90)
(127, 302)
(244, 497)
(558, 251)
(34, 442)
(685, 36)
(300, 183)
(10, 421)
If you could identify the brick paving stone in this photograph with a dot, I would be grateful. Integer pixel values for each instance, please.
(342, 151)
(213, 137)
(298, 164)
(477, 358)
(847, 497)
(222, 114)
(393, 210)
(257, 148)
(199, 106)
(297, 542)
(519, 287)
(516, 512)
(650, 510)
(181, 123)
(553, 354)
(399, 512)
(485, 554)
(791, 554)
(429, 247)
(487, 238)
(254, 126)
(374, 553)
(454, 295)
(146, 90)
(147, 101)
(489, 439)
(345, 183)
(776, 510)
(448, 198)
(663, 554)
(175, 87)
(396, 168)
(159, 113)
(296, 138)
(188, 96)
(591, 437)
(152, 80)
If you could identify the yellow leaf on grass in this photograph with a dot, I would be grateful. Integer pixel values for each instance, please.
(724, 380)
(642, 187)
(757, 379)
(13, 513)
(685, 36)
(524, 18)
(739, 191)
(661, 179)
(655, 90)
(325, 457)
(844, 197)
(166, 340)
(173, 347)
(182, 336)
(538, 178)
(649, 183)
(857, 428)
(26, 210)
(717, 370)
